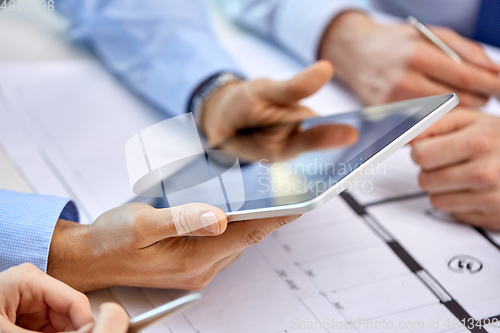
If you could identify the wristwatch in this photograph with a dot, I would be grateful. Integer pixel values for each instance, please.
(207, 89)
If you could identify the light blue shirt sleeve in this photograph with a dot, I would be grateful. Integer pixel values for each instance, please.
(297, 25)
(161, 49)
(27, 222)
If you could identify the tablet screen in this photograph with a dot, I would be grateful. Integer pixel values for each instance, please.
(260, 178)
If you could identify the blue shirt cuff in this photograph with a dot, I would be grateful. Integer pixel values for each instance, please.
(27, 222)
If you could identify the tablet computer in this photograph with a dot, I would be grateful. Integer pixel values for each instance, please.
(250, 188)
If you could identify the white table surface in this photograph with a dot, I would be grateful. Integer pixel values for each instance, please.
(36, 37)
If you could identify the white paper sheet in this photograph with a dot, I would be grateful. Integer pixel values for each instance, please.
(66, 126)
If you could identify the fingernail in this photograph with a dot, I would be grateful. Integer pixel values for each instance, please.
(210, 223)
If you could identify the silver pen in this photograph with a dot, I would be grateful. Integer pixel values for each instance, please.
(163, 312)
(437, 41)
(434, 39)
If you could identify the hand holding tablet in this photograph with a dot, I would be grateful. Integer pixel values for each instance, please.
(290, 176)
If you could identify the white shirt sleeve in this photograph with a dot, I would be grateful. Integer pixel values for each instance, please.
(297, 25)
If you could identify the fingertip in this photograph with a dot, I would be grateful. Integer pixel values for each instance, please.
(302, 85)
(327, 67)
(113, 310)
(491, 65)
(221, 219)
(419, 137)
(453, 121)
(113, 313)
(329, 137)
(83, 315)
(352, 135)
(425, 134)
(212, 220)
(472, 101)
(415, 153)
(317, 74)
(346, 135)
(112, 318)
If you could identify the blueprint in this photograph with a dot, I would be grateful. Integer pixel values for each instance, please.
(357, 264)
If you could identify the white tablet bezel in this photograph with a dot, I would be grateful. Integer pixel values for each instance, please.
(354, 175)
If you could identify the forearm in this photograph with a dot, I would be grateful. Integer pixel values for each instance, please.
(89, 259)
(71, 259)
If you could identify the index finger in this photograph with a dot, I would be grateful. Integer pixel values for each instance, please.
(112, 319)
(469, 50)
(55, 294)
(322, 137)
(451, 122)
(437, 65)
(444, 150)
(242, 234)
